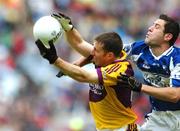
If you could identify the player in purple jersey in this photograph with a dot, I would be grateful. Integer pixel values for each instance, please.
(109, 102)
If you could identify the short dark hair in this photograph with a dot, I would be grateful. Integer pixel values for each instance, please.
(111, 42)
(171, 26)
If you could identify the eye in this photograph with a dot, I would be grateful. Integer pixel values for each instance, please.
(157, 26)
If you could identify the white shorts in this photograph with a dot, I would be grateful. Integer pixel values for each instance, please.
(124, 128)
(162, 121)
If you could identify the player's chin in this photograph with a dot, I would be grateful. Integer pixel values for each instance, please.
(146, 40)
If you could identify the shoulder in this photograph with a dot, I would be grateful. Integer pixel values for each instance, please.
(110, 72)
(117, 67)
(139, 43)
(176, 50)
(176, 54)
(139, 46)
(135, 47)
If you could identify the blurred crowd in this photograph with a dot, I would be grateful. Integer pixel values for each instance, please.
(32, 98)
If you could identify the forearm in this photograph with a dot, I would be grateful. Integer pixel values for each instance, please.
(166, 94)
(71, 70)
(78, 43)
(83, 61)
(74, 37)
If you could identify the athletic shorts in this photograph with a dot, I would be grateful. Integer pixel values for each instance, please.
(129, 127)
(162, 121)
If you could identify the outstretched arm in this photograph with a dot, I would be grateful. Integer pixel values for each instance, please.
(78, 43)
(171, 94)
(76, 72)
(80, 62)
(74, 38)
(69, 69)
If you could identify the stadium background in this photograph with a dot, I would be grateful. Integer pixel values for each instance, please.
(31, 97)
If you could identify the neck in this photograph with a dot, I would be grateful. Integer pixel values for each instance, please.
(109, 61)
(158, 50)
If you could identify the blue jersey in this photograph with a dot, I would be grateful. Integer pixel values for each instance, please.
(161, 71)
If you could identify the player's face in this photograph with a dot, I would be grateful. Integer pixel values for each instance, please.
(155, 34)
(99, 55)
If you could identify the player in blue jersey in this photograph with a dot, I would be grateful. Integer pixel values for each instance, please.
(159, 62)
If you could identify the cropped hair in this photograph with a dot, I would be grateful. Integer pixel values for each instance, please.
(171, 26)
(111, 42)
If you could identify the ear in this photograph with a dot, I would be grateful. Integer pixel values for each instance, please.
(168, 36)
(110, 55)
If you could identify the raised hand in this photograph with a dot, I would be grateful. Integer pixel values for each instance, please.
(47, 53)
(64, 20)
(129, 82)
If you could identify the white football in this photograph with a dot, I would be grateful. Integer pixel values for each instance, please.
(47, 28)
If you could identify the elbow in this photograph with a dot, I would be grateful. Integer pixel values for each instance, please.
(175, 98)
(174, 95)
